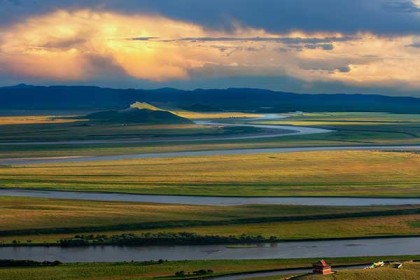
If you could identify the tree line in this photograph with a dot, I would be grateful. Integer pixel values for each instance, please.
(163, 238)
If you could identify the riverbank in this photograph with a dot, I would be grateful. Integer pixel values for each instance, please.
(167, 270)
(148, 239)
(208, 200)
(407, 271)
(46, 221)
(279, 250)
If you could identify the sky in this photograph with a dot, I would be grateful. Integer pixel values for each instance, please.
(312, 46)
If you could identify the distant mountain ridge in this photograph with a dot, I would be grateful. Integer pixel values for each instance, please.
(25, 97)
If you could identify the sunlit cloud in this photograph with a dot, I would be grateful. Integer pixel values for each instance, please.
(62, 45)
(79, 45)
(370, 60)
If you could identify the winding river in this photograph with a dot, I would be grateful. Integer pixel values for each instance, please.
(298, 249)
(267, 131)
(270, 131)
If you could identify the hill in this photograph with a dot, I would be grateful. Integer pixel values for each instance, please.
(141, 113)
(234, 99)
(145, 106)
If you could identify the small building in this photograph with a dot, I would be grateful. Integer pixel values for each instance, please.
(321, 267)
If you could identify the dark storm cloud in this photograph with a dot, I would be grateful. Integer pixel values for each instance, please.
(377, 16)
(285, 40)
(287, 43)
(403, 6)
(63, 44)
(344, 69)
(13, 2)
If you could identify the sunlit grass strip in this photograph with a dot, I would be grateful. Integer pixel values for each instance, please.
(20, 120)
(324, 173)
(19, 213)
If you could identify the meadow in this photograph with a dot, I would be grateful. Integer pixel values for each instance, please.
(167, 270)
(29, 213)
(349, 129)
(71, 127)
(32, 221)
(322, 173)
(358, 127)
(47, 220)
(51, 128)
(409, 271)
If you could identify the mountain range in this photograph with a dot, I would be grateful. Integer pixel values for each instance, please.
(26, 97)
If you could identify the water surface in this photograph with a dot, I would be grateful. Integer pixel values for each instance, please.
(209, 200)
(286, 250)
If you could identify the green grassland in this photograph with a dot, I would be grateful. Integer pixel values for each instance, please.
(362, 128)
(48, 220)
(51, 128)
(350, 129)
(68, 128)
(167, 270)
(79, 130)
(324, 173)
(28, 213)
(327, 173)
(399, 225)
(409, 271)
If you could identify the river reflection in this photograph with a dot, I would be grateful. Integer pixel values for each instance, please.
(299, 249)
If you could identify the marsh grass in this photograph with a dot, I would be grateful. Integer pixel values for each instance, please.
(48, 220)
(19, 213)
(409, 271)
(324, 173)
(166, 270)
(350, 129)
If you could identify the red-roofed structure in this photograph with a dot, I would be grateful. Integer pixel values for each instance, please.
(321, 267)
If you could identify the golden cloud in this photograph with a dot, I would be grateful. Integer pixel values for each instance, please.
(66, 45)
(61, 45)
